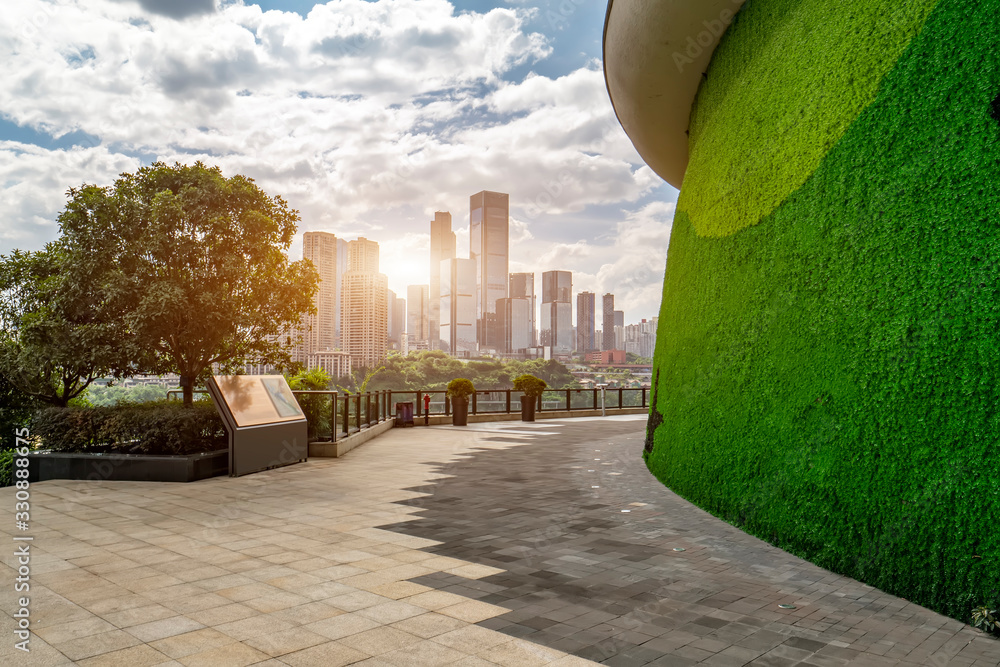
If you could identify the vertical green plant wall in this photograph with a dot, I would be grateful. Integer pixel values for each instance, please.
(828, 357)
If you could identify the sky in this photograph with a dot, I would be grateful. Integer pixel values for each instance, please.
(366, 116)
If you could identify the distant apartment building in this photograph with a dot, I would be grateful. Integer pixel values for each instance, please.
(640, 339)
(457, 331)
(489, 247)
(442, 248)
(364, 305)
(418, 316)
(557, 312)
(322, 330)
(522, 286)
(608, 324)
(397, 320)
(514, 315)
(336, 363)
(585, 334)
(605, 357)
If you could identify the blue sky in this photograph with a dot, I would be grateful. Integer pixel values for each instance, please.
(366, 116)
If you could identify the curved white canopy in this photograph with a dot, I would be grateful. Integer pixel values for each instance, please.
(655, 53)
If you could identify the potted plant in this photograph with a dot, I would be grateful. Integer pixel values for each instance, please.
(459, 391)
(532, 388)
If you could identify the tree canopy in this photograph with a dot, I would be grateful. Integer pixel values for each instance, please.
(191, 265)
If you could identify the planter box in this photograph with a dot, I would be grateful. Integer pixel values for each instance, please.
(127, 467)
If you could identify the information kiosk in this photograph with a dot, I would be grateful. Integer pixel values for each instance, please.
(266, 426)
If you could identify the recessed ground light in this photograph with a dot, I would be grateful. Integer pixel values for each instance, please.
(595, 487)
(597, 459)
(786, 606)
(626, 511)
(590, 471)
(679, 549)
(614, 473)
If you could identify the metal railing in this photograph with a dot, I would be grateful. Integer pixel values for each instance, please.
(332, 415)
(338, 415)
(508, 401)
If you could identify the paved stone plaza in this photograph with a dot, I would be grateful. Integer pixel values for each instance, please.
(508, 543)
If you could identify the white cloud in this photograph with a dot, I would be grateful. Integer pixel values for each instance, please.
(363, 115)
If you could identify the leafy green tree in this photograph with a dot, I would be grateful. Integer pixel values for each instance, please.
(192, 265)
(54, 340)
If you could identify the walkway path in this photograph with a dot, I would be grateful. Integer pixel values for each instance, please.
(511, 544)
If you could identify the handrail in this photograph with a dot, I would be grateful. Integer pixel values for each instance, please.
(351, 413)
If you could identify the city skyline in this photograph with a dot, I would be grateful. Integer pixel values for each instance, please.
(366, 117)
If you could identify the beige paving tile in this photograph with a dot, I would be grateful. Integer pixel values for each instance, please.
(56, 634)
(400, 589)
(341, 626)
(189, 643)
(429, 625)
(254, 626)
(356, 600)
(167, 627)
(471, 639)
(138, 615)
(230, 655)
(91, 645)
(391, 612)
(286, 641)
(473, 571)
(435, 599)
(234, 611)
(330, 654)
(141, 655)
(380, 640)
(422, 654)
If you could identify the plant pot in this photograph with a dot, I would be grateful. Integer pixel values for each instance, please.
(460, 412)
(528, 408)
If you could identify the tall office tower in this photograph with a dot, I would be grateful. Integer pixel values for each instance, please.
(457, 331)
(442, 248)
(557, 311)
(363, 305)
(608, 341)
(489, 224)
(341, 269)
(321, 330)
(522, 286)
(399, 319)
(619, 318)
(585, 305)
(417, 316)
(513, 314)
(396, 324)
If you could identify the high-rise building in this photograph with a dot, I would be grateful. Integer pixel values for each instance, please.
(417, 316)
(364, 305)
(522, 286)
(457, 331)
(608, 311)
(396, 324)
(442, 248)
(321, 331)
(557, 311)
(619, 318)
(489, 224)
(399, 323)
(513, 314)
(585, 304)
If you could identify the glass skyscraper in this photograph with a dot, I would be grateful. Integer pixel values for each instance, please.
(489, 247)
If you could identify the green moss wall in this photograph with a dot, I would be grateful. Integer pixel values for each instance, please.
(828, 373)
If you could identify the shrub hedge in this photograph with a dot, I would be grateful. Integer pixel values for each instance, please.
(154, 428)
(829, 379)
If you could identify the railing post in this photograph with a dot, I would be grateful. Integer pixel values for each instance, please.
(416, 401)
(447, 405)
(333, 417)
(595, 398)
(508, 401)
(347, 414)
(475, 395)
(568, 400)
(643, 397)
(357, 410)
(620, 394)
